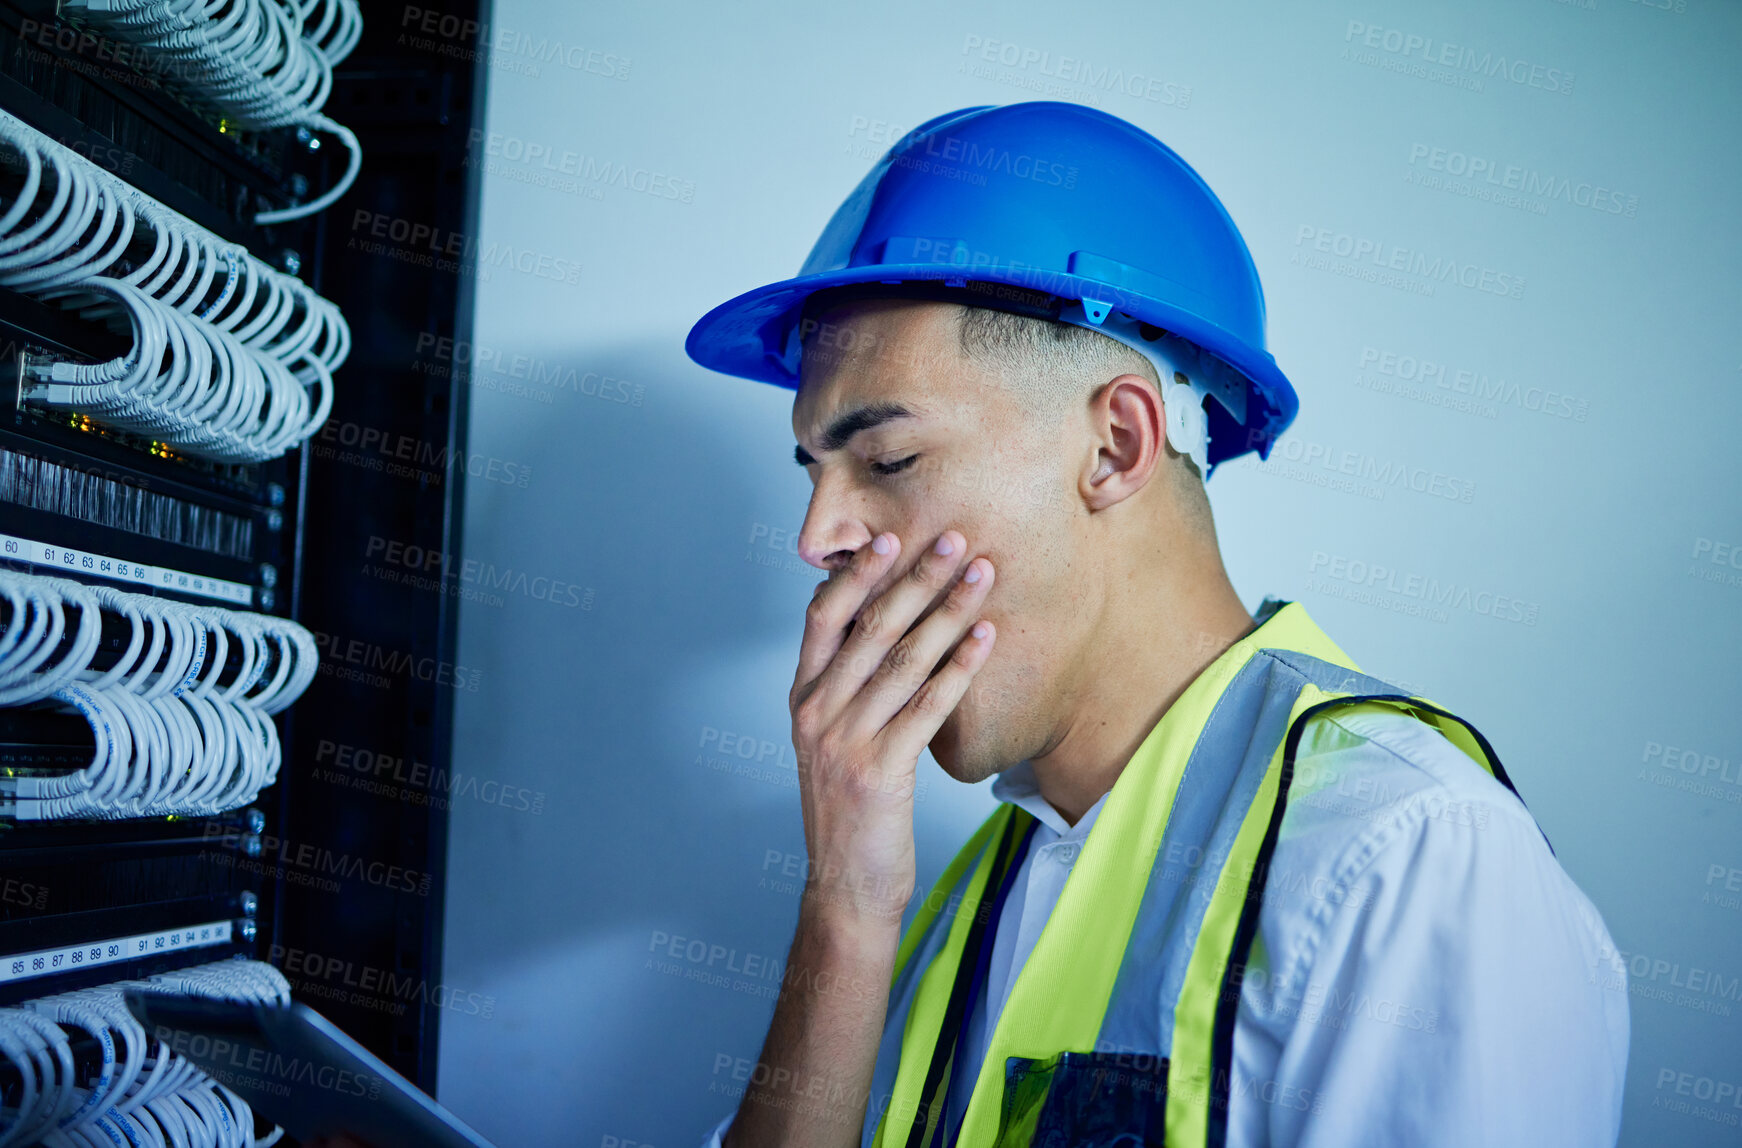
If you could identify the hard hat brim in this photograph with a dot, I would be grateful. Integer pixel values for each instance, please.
(747, 336)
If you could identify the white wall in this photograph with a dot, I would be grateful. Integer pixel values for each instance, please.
(666, 495)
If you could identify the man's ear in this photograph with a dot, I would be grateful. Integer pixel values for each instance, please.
(1128, 429)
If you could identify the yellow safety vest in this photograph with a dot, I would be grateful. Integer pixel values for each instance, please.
(1119, 1027)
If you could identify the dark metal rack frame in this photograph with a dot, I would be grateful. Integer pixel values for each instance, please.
(411, 109)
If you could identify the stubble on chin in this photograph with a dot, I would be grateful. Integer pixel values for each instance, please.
(968, 759)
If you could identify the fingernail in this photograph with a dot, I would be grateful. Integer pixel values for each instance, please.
(972, 576)
(945, 546)
(880, 544)
(980, 630)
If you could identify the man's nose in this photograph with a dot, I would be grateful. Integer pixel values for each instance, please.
(833, 531)
(831, 547)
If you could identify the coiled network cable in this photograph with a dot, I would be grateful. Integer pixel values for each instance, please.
(256, 63)
(230, 359)
(141, 1091)
(175, 731)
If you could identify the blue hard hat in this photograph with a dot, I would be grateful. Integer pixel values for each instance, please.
(1078, 211)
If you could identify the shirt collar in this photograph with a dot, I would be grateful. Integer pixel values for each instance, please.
(1018, 787)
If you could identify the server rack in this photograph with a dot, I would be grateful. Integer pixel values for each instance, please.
(334, 874)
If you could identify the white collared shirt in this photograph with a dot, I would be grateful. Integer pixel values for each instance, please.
(1424, 973)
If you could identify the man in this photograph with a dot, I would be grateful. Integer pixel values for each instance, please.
(1236, 891)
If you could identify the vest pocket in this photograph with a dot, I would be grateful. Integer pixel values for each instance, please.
(1084, 1100)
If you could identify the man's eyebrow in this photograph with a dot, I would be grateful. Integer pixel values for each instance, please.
(846, 426)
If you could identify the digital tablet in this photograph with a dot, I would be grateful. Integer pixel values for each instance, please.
(295, 1067)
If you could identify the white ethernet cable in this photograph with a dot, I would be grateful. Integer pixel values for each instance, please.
(40, 1051)
(254, 63)
(142, 1092)
(171, 735)
(231, 359)
(338, 25)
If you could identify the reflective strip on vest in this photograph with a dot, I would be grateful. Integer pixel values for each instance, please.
(925, 966)
(1135, 978)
